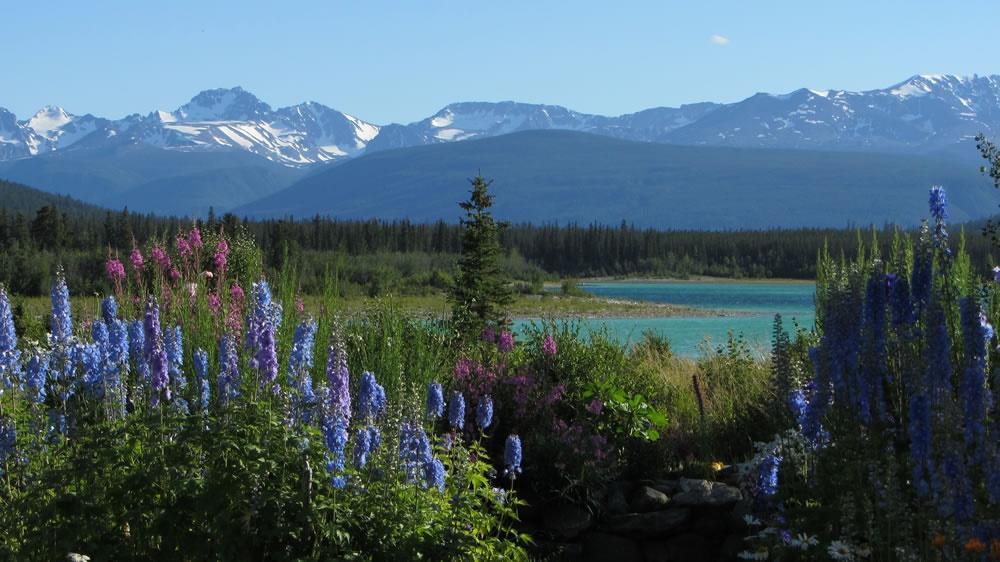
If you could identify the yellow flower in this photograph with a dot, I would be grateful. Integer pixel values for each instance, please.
(717, 466)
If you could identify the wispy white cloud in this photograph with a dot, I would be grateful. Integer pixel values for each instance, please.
(719, 40)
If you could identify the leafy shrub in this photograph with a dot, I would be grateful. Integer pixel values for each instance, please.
(204, 429)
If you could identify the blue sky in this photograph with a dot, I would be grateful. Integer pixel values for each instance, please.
(402, 61)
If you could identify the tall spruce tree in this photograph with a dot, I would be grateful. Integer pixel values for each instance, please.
(481, 292)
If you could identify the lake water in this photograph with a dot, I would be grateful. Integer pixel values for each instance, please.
(755, 304)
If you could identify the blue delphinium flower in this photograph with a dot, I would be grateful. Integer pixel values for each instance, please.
(899, 300)
(338, 378)
(300, 364)
(976, 334)
(37, 372)
(265, 316)
(136, 347)
(954, 490)
(62, 317)
(335, 438)
(456, 410)
(267, 357)
(94, 361)
(435, 400)
(155, 355)
(817, 393)
(873, 370)
(362, 447)
(798, 404)
(200, 360)
(374, 438)
(419, 463)
(229, 370)
(109, 309)
(939, 212)
(10, 356)
(414, 451)
(118, 345)
(371, 397)
(435, 475)
(93, 369)
(173, 342)
(767, 474)
(512, 456)
(484, 412)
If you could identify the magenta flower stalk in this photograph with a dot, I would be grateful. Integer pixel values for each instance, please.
(194, 238)
(137, 260)
(549, 345)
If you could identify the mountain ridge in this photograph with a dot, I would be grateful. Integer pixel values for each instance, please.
(923, 112)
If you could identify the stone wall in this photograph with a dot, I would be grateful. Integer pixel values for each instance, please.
(683, 520)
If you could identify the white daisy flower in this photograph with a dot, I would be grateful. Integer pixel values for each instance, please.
(840, 550)
(803, 541)
(751, 520)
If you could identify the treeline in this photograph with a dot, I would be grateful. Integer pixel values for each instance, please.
(375, 257)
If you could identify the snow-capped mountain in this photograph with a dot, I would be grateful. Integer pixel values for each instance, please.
(923, 113)
(221, 119)
(468, 120)
(51, 128)
(235, 119)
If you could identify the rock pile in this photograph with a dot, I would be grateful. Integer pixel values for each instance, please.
(684, 520)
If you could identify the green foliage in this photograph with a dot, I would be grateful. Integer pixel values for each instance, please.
(626, 415)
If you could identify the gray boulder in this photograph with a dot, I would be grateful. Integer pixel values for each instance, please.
(653, 524)
(647, 499)
(703, 493)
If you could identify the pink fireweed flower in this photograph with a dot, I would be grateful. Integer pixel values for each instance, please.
(300, 305)
(174, 274)
(183, 247)
(161, 258)
(235, 319)
(194, 239)
(595, 407)
(192, 291)
(555, 395)
(136, 258)
(488, 335)
(208, 274)
(214, 303)
(474, 378)
(549, 345)
(221, 255)
(115, 269)
(236, 293)
(506, 343)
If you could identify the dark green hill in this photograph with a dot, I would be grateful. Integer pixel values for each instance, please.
(17, 198)
(152, 179)
(545, 176)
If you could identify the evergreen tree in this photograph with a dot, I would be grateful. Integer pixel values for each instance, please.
(481, 291)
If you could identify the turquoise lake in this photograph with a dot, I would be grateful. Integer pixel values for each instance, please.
(753, 305)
